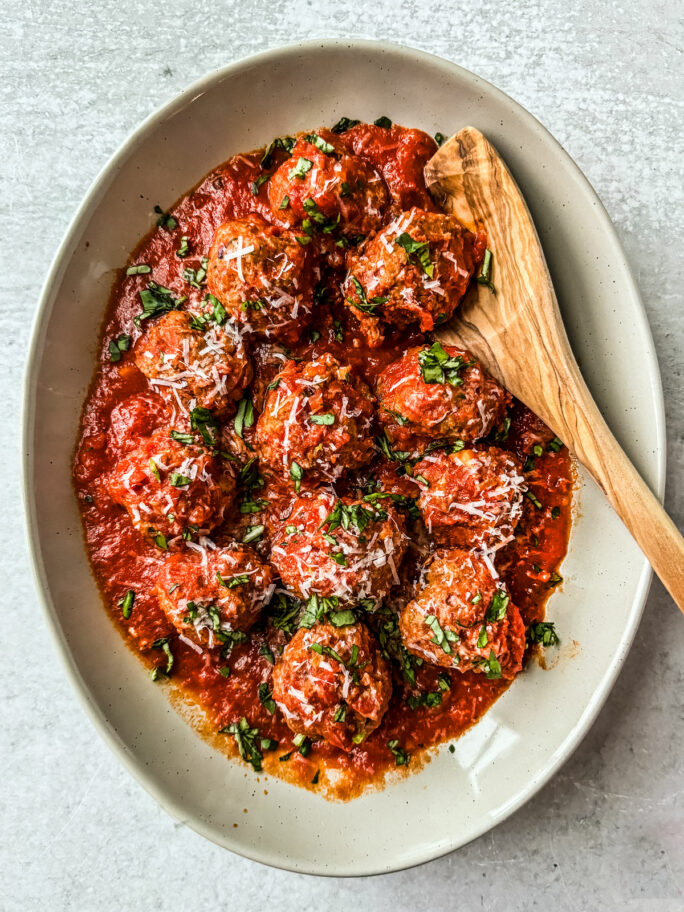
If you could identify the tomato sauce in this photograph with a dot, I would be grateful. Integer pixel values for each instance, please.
(123, 560)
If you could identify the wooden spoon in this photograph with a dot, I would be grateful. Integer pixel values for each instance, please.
(519, 336)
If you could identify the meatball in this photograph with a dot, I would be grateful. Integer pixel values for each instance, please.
(438, 393)
(169, 488)
(416, 270)
(472, 498)
(192, 363)
(316, 421)
(207, 594)
(263, 277)
(400, 155)
(333, 683)
(464, 619)
(339, 547)
(325, 189)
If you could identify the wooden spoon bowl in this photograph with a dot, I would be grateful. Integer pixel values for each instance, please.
(518, 334)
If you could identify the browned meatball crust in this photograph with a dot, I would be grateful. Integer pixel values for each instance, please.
(472, 498)
(333, 683)
(194, 364)
(263, 277)
(325, 189)
(169, 488)
(438, 393)
(209, 592)
(463, 618)
(415, 270)
(316, 422)
(339, 547)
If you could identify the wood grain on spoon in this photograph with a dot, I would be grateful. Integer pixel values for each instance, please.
(518, 334)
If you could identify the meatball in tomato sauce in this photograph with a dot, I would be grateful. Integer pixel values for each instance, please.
(194, 363)
(169, 488)
(471, 498)
(209, 593)
(463, 618)
(414, 271)
(316, 422)
(438, 393)
(400, 155)
(339, 547)
(263, 277)
(333, 683)
(324, 189)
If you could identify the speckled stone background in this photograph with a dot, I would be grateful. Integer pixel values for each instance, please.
(76, 832)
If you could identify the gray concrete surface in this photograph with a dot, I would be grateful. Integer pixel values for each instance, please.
(76, 832)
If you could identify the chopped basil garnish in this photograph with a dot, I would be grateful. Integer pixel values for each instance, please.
(417, 252)
(556, 445)
(266, 651)
(116, 346)
(204, 421)
(241, 579)
(165, 220)
(256, 185)
(327, 418)
(400, 419)
(218, 310)
(327, 651)
(196, 277)
(159, 671)
(296, 474)
(363, 303)
(301, 169)
(482, 639)
(440, 139)
(555, 512)
(286, 143)
(285, 202)
(184, 248)
(126, 604)
(342, 618)
(340, 713)
(385, 448)
(319, 143)
(156, 300)
(302, 743)
(430, 700)
(180, 437)
(253, 534)
(383, 122)
(484, 277)
(442, 637)
(352, 517)
(437, 366)
(160, 541)
(543, 633)
(491, 666)
(138, 269)
(344, 124)
(498, 606)
(535, 501)
(401, 757)
(244, 417)
(246, 739)
(266, 698)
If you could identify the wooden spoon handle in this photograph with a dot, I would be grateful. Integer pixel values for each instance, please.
(518, 334)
